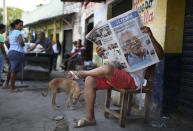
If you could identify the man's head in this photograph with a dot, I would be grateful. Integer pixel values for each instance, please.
(75, 43)
(41, 35)
(18, 24)
(2, 28)
(79, 43)
(131, 43)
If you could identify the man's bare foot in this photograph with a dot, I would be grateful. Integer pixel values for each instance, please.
(84, 122)
(15, 90)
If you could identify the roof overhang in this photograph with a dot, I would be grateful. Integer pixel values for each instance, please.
(83, 0)
(50, 18)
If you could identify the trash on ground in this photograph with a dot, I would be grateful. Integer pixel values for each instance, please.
(60, 117)
(158, 124)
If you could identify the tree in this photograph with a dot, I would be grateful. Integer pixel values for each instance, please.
(12, 14)
(1, 15)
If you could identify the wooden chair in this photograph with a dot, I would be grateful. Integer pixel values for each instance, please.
(126, 98)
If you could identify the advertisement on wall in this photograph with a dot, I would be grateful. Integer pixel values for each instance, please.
(146, 9)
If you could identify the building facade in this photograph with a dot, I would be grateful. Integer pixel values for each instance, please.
(171, 24)
(58, 19)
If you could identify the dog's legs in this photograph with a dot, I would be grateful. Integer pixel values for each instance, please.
(54, 91)
(70, 102)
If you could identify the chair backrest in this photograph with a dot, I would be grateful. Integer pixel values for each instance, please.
(149, 76)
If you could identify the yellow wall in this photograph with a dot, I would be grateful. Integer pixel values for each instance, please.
(158, 24)
(175, 26)
(168, 24)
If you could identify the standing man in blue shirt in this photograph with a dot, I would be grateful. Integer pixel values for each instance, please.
(45, 42)
(47, 45)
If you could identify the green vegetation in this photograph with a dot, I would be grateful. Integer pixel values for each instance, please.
(12, 14)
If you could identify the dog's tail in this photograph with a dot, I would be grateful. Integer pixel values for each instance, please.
(47, 91)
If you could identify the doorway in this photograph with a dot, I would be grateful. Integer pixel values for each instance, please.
(67, 41)
(89, 44)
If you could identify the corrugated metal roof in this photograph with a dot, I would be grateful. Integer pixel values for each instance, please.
(54, 9)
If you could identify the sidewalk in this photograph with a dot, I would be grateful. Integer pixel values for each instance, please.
(29, 111)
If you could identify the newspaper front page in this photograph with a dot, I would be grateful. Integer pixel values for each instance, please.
(123, 42)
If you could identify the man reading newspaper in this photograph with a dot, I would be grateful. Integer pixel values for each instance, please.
(106, 76)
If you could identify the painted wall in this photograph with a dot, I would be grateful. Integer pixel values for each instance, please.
(153, 14)
(77, 27)
(173, 52)
(175, 26)
(86, 13)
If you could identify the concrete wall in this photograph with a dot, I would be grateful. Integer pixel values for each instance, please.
(153, 14)
(86, 13)
(77, 27)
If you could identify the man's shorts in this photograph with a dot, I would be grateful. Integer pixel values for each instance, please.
(15, 59)
(120, 79)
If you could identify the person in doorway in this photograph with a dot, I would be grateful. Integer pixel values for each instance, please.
(16, 51)
(3, 54)
(106, 76)
(78, 56)
(67, 56)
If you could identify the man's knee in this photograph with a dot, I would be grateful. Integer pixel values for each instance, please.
(90, 82)
(108, 70)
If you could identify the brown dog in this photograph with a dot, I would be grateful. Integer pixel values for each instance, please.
(69, 86)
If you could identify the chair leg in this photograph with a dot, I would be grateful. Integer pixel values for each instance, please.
(123, 108)
(129, 104)
(107, 102)
(147, 107)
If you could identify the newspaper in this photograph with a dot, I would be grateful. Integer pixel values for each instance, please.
(123, 42)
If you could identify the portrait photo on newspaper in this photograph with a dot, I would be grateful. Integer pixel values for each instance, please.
(135, 49)
(123, 42)
(135, 45)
